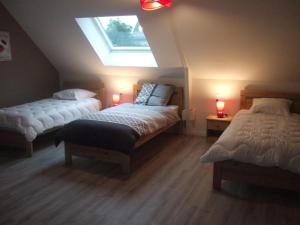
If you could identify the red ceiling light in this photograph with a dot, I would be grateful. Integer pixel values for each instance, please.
(149, 5)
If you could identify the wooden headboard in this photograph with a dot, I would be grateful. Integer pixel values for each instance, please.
(247, 97)
(177, 97)
(94, 86)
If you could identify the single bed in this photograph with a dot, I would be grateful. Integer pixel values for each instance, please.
(21, 124)
(115, 133)
(258, 148)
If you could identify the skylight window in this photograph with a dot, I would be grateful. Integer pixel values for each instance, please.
(118, 41)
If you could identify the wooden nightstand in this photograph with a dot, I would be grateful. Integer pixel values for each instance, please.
(216, 126)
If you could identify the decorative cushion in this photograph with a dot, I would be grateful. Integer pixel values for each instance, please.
(161, 95)
(145, 93)
(274, 106)
(74, 94)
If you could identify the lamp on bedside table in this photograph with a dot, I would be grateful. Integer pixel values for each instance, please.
(116, 99)
(220, 104)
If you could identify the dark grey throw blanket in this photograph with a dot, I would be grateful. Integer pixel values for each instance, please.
(106, 135)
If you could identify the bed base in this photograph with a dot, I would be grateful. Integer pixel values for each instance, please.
(97, 153)
(248, 173)
(118, 157)
(14, 139)
(264, 176)
(10, 137)
(124, 160)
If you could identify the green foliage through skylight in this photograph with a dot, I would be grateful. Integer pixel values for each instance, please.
(124, 31)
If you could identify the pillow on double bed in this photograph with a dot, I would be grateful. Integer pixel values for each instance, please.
(155, 94)
(161, 95)
(273, 106)
(145, 93)
(74, 94)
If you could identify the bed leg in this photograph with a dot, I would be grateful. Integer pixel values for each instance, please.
(217, 177)
(29, 149)
(68, 155)
(125, 165)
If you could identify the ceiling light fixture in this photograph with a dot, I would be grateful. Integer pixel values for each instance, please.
(149, 5)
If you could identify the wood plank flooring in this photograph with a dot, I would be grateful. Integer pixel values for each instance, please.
(169, 186)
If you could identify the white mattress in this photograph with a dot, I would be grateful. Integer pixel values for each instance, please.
(143, 119)
(32, 119)
(264, 140)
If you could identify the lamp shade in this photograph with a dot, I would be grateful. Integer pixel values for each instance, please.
(116, 99)
(220, 104)
(155, 4)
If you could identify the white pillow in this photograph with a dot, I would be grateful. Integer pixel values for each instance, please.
(274, 106)
(74, 94)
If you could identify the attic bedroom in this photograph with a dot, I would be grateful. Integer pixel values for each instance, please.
(149, 112)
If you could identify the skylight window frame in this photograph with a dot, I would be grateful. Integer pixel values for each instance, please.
(118, 57)
(117, 49)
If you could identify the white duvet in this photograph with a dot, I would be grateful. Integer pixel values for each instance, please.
(143, 119)
(32, 119)
(264, 140)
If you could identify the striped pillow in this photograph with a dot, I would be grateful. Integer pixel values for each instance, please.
(145, 93)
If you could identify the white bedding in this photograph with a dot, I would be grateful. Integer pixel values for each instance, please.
(32, 119)
(264, 140)
(143, 119)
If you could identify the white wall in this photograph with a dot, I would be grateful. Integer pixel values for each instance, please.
(205, 92)
(232, 45)
(52, 26)
(232, 42)
(123, 79)
(240, 40)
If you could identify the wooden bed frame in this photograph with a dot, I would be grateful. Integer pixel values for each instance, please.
(245, 172)
(15, 139)
(120, 158)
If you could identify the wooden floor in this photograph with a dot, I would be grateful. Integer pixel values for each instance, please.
(169, 186)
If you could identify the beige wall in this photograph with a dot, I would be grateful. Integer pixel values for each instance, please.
(205, 92)
(232, 45)
(226, 45)
(29, 75)
(121, 80)
(240, 40)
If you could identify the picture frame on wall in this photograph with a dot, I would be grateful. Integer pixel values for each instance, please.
(5, 50)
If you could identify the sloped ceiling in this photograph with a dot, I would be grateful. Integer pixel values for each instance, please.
(232, 39)
(52, 26)
(240, 39)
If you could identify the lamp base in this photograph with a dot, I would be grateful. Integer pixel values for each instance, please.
(220, 114)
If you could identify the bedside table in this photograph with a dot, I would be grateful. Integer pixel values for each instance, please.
(216, 126)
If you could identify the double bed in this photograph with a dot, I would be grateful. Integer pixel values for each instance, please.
(259, 148)
(115, 134)
(21, 124)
